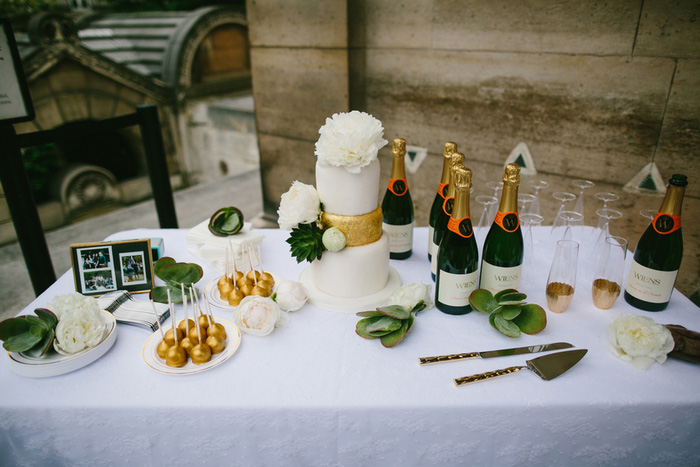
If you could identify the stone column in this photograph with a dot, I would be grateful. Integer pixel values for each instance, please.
(299, 59)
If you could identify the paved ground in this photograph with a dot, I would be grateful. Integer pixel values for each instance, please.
(191, 204)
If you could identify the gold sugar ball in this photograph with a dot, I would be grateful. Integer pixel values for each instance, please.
(266, 276)
(260, 291)
(182, 326)
(225, 290)
(162, 349)
(203, 322)
(247, 288)
(217, 330)
(187, 344)
(223, 280)
(169, 339)
(201, 353)
(244, 281)
(235, 297)
(237, 276)
(194, 334)
(266, 284)
(217, 345)
(253, 275)
(176, 356)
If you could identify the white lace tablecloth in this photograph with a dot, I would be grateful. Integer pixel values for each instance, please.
(314, 393)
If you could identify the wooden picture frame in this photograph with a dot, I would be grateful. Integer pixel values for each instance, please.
(103, 267)
(15, 102)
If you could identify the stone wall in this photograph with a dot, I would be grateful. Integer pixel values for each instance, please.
(596, 89)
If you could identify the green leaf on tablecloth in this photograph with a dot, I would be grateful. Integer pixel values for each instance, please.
(512, 298)
(162, 262)
(482, 300)
(510, 311)
(391, 339)
(503, 325)
(394, 311)
(532, 319)
(370, 314)
(502, 293)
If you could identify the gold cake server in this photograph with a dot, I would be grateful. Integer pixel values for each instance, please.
(547, 367)
(495, 353)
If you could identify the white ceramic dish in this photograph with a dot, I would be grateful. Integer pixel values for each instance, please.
(29, 364)
(212, 293)
(150, 354)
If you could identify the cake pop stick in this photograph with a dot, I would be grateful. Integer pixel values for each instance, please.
(215, 329)
(162, 348)
(201, 353)
(171, 335)
(176, 355)
(186, 343)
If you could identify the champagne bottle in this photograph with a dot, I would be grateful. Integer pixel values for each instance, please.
(397, 206)
(457, 255)
(450, 148)
(443, 217)
(659, 253)
(502, 257)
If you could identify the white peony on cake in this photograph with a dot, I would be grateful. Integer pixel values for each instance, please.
(353, 270)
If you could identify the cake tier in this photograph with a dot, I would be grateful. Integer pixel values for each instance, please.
(353, 271)
(346, 193)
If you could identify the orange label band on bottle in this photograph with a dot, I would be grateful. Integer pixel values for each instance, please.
(398, 186)
(508, 221)
(665, 223)
(447, 205)
(442, 190)
(462, 227)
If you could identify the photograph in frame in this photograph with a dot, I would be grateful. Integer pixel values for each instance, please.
(104, 267)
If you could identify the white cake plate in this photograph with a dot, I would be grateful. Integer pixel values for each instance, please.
(322, 300)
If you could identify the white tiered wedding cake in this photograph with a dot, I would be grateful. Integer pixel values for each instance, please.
(353, 273)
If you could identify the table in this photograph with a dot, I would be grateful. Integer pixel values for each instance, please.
(315, 393)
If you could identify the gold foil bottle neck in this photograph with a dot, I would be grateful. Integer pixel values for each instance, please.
(457, 159)
(511, 174)
(675, 191)
(462, 178)
(450, 148)
(398, 148)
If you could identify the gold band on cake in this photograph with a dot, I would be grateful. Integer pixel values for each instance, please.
(359, 230)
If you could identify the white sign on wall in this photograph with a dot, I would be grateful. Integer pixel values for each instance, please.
(15, 102)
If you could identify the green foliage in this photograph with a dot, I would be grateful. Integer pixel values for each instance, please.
(306, 242)
(174, 274)
(28, 332)
(226, 221)
(508, 313)
(389, 324)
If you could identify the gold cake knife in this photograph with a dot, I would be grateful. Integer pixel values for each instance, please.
(495, 353)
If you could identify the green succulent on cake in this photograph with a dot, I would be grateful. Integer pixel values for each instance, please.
(306, 241)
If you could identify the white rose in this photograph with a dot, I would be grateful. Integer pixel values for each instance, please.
(300, 205)
(639, 340)
(350, 140)
(410, 295)
(258, 315)
(290, 295)
(80, 323)
(334, 239)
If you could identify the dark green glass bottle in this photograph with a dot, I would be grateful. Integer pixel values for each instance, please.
(457, 255)
(450, 148)
(443, 217)
(502, 256)
(397, 206)
(659, 253)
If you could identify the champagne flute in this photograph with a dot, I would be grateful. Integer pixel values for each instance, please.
(603, 231)
(607, 280)
(529, 273)
(648, 213)
(606, 197)
(570, 219)
(562, 276)
(563, 197)
(486, 201)
(524, 202)
(537, 185)
(493, 209)
(581, 185)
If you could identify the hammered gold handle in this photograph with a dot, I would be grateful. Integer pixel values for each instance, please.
(488, 375)
(447, 358)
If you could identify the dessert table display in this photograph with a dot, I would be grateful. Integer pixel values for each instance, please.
(315, 393)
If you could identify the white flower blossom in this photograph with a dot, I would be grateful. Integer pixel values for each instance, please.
(300, 205)
(258, 315)
(410, 295)
(334, 239)
(80, 323)
(350, 140)
(639, 340)
(290, 295)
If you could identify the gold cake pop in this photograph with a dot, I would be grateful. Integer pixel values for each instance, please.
(176, 355)
(201, 353)
(186, 343)
(215, 329)
(162, 347)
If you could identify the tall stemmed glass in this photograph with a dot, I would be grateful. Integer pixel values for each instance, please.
(529, 273)
(486, 201)
(606, 197)
(562, 276)
(525, 200)
(603, 231)
(493, 209)
(581, 185)
(607, 280)
(563, 197)
(648, 213)
(571, 219)
(537, 185)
